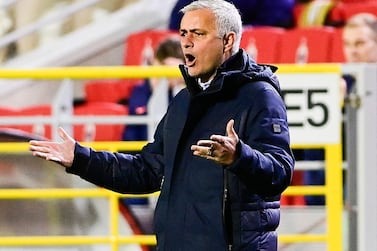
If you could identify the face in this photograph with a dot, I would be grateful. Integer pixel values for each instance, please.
(359, 45)
(204, 50)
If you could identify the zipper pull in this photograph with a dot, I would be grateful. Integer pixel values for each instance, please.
(162, 182)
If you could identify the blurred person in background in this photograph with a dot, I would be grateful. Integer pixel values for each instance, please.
(168, 52)
(360, 39)
(359, 46)
(359, 43)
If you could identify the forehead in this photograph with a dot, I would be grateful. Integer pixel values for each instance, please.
(358, 33)
(202, 19)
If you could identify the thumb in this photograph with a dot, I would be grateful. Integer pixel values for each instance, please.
(230, 129)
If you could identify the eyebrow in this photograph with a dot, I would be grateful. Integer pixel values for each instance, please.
(192, 30)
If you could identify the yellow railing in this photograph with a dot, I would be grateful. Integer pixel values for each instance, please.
(114, 238)
(332, 188)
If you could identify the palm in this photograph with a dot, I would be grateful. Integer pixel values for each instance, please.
(61, 152)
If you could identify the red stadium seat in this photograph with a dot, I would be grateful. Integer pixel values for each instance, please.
(316, 41)
(343, 11)
(337, 55)
(296, 200)
(264, 41)
(140, 46)
(107, 90)
(8, 111)
(135, 46)
(102, 132)
(36, 129)
(99, 132)
(355, 1)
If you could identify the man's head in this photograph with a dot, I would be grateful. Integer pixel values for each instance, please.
(210, 33)
(360, 39)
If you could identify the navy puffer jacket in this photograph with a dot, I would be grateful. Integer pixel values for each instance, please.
(204, 206)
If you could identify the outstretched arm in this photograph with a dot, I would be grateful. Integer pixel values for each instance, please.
(60, 152)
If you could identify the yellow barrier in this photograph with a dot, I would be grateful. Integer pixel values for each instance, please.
(334, 203)
(114, 239)
(332, 188)
(333, 208)
(129, 72)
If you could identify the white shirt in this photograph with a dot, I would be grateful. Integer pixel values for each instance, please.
(204, 85)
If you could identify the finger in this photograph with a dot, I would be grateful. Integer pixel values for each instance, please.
(202, 150)
(36, 148)
(205, 143)
(230, 129)
(47, 157)
(218, 139)
(37, 142)
(53, 158)
(40, 155)
(33, 142)
(63, 134)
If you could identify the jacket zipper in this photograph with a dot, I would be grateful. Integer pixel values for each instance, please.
(228, 235)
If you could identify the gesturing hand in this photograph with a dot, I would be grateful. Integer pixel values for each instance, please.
(60, 152)
(219, 148)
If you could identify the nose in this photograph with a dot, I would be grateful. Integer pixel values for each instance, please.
(186, 41)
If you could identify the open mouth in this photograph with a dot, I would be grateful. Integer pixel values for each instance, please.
(190, 59)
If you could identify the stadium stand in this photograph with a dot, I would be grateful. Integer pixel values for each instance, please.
(263, 43)
(99, 132)
(138, 50)
(337, 55)
(345, 9)
(140, 45)
(116, 91)
(317, 41)
(35, 129)
(312, 13)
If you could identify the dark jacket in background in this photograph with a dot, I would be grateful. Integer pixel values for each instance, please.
(138, 105)
(194, 211)
(253, 12)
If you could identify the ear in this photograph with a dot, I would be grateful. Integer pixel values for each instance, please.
(228, 41)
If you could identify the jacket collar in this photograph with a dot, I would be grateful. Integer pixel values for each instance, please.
(235, 64)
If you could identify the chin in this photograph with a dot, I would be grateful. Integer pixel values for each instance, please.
(193, 73)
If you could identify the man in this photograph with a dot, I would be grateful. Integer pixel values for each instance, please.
(359, 46)
(360, 39)
(220, 155)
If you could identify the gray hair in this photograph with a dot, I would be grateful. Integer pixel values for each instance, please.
(363, 19)
(228, 18)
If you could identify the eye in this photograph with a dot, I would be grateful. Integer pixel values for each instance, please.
(198, 34)
(183, 33)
